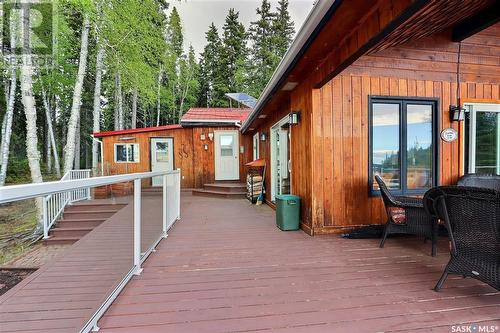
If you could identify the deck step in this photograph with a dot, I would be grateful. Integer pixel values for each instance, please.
(226, 187)
(56, 240)
(219, 194)
(71, 232)
(93, 207)
(80, 219)
(89, 214)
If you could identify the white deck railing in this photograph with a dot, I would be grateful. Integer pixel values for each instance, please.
(54, 204)
(171, 213)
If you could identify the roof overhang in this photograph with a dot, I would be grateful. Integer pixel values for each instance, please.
(136, 130)
(210, 122)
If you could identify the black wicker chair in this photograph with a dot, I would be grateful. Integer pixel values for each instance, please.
(416, 220)
(482, 181)
(472, 217)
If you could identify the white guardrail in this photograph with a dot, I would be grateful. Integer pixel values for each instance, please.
(171, 213)
(54, 204)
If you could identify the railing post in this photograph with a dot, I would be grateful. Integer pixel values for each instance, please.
(178, 190)
(87, 175)
(45, 219)
(164, 206)
(137, 226)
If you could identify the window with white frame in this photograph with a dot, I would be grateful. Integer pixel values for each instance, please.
(127, 153)
(256, 152)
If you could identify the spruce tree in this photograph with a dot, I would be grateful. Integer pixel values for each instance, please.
(210, 75)
(283, 30)
(234, 52)
(174, 33)
(262, 58)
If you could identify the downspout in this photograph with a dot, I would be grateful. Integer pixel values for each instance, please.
(102, 153)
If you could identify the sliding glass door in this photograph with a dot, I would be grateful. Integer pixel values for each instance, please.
(483, 125)
(280, 158)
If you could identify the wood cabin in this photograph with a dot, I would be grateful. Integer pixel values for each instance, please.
(206, 146)
(366, 88)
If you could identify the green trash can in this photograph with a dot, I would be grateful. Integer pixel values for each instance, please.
(287, 212)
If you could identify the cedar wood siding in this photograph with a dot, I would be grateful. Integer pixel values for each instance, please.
(423, 68)
(330, 145)
(197, 164)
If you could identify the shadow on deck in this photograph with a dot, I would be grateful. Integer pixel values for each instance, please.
(226, 268)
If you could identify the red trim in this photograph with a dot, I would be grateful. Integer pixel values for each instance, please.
(137, 130)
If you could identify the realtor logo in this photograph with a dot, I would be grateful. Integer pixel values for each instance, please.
(38, 21)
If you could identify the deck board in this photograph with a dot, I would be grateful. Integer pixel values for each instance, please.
(62, 295)
(226, 268)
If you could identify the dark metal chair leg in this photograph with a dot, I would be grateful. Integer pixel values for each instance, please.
(434, 239)
(441, 281)
(386, 232)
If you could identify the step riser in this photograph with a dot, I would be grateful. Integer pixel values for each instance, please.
(58, 242)
(220, 195)
(69, 233)
(225, 188)
(87, 208)
(79, 224)
(87, 215)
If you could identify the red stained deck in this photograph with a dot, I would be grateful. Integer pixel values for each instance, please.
(226, 268)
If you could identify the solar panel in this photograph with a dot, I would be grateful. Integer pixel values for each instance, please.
(243, 98)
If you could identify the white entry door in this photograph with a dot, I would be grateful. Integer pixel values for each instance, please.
(227, 157)
(162, 157)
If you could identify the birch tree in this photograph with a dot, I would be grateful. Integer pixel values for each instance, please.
(134, 108)
(77, 97)
(11, 99)
(52, 147)
(28, 101)
(97, 100)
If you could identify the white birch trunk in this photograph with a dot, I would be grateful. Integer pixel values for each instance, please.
(134, 108)
(119, 101)
(77, 98)
(28, 100)
(52, 139)
(158, 104)
(7, 123)
(97, 103)
(48, 150)
(78, 151)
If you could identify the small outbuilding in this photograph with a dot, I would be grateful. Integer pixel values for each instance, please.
(206, 146)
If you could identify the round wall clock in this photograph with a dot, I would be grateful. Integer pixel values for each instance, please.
(449, 135)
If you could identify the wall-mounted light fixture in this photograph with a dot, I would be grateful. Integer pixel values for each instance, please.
(211, 136)
(205, 146)
(457, 113)
(263, 136)
(202, 137)
(294, 117)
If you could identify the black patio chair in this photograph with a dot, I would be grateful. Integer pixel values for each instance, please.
(472, 217)
(406, 215)
(479, 180)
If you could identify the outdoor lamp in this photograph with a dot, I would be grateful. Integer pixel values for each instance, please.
(294, 117)
(457, 113)
(263, 136)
